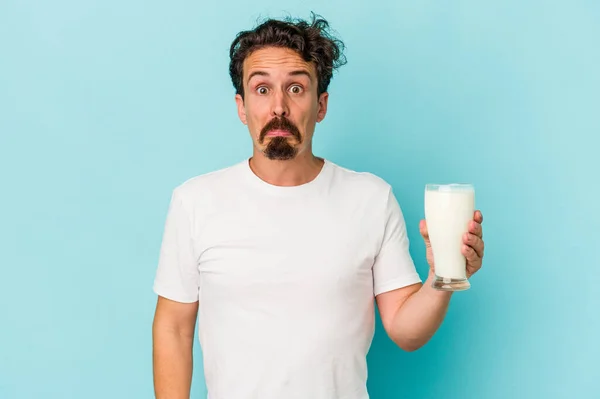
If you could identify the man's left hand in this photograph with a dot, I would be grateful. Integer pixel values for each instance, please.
(473, 247)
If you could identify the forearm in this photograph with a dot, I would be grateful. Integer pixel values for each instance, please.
(420, 316)
(172, 364)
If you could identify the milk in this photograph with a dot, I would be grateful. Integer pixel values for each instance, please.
(448, 211)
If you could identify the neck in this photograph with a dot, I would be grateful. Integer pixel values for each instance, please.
(294, 172)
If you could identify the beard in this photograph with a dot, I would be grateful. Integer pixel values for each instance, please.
(279, 147)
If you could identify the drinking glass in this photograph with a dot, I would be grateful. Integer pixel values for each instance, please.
(448, 210)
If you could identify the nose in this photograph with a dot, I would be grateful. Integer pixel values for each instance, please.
(280, 106)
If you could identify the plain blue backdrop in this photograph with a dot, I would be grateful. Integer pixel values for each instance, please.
(106, 106)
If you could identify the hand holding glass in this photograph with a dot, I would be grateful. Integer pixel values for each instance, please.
(448, 210)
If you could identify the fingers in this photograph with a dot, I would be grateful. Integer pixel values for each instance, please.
(478, 217)
(475, 243)
(475, 228)
(473, 260)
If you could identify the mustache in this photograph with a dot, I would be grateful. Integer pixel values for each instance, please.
(280, 123)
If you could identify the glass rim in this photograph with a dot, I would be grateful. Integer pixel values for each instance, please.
(449, 187)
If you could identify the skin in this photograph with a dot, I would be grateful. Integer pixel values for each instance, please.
(279, 83)
(411, 315)
(172, 343)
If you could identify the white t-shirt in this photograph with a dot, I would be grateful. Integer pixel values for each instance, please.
(285, 277)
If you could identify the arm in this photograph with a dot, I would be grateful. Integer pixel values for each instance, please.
(172, 343)
(411, 315)
(411, 312)
(177, 286)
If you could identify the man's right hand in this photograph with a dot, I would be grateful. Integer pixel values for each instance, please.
(173, 332)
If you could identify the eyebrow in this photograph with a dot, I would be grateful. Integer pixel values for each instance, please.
(297, 72)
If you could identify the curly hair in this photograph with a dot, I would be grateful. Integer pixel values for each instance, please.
(312, 41)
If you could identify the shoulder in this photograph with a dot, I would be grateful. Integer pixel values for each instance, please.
(207, 184)
(361, 182)
(366, 192)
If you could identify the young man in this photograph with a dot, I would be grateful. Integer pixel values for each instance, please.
(283, 255)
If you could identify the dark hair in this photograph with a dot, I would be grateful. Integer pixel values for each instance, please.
(311, 41)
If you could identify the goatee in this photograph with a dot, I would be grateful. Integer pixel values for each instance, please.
(279, 147)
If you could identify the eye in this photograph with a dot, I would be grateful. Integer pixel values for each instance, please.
(262, 90)
(296, 89)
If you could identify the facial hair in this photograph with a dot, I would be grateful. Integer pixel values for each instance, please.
(279, 147)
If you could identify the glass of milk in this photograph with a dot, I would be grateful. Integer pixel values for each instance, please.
(448, 210)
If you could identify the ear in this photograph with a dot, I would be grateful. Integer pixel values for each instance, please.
(322, 106)
(241, 109)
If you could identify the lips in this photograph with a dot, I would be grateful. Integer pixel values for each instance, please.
(280, 127)
(279, 133)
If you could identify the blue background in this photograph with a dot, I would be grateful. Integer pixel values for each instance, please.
(106, 106)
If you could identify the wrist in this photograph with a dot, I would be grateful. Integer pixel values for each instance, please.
(432, 292)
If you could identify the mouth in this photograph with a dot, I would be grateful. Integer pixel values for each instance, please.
(278, 133)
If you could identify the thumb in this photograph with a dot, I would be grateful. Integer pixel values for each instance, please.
(423, 230)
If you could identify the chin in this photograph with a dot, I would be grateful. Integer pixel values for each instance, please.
(280, 149)
(281, 158)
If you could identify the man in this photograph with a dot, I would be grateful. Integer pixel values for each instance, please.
(283, 255)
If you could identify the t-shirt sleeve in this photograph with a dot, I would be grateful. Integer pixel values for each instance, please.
(393, 267)
(177, 275)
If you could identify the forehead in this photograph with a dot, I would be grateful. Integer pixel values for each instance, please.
(276, 59)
